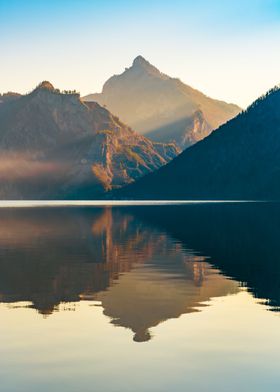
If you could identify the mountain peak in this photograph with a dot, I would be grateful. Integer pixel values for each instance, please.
(140, 61)
(45, 85)
(154, 103)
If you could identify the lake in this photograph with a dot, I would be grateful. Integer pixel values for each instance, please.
(163, 297)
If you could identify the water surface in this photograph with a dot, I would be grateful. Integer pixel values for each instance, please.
(140, 298)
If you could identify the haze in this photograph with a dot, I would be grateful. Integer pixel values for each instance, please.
(229, 50)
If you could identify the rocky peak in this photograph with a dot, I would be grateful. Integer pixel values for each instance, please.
(140, 61)
(43, 90)
(45, 85)
(58, 146)
(141, 64)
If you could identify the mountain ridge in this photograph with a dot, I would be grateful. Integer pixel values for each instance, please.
(240, 160)
(54, 145)
(149, 101)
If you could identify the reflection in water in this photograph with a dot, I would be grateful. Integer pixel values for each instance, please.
(139, 258)
(173, 272)
(147, 296)
(241, 240)
(138, 273)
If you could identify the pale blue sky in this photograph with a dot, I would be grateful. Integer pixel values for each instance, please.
(227, 49)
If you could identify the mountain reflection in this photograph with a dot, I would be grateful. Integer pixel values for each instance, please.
(144, 265)
(241, 240)
(138, 272)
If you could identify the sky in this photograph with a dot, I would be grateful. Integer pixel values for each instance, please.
(227, 49)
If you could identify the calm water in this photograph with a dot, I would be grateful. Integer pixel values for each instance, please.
(140, 298)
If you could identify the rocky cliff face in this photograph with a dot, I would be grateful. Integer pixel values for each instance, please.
(185, 132)
(53, 145)
(162, 107)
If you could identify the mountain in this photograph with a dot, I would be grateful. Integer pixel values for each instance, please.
(161, 107)
(240, 160)
(53, 145)
(9, 96)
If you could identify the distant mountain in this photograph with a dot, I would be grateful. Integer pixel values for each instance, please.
(52, 145)
(240, 160)
(161, 107)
